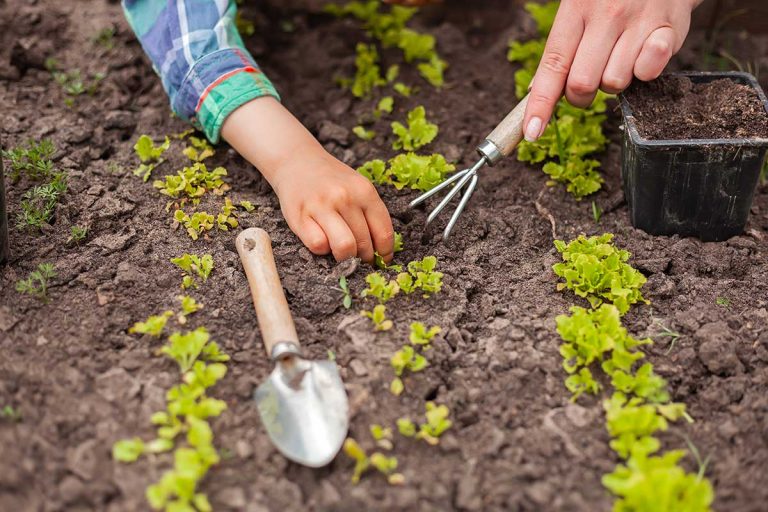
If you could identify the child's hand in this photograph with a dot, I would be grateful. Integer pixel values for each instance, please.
(332, 208)
(329, 206)
(604, 44)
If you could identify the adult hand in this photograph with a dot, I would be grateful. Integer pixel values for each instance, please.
(603, 44)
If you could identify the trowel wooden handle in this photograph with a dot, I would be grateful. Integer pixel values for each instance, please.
(255, 250)
(508, 134)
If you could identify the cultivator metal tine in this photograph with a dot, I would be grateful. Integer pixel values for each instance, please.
(462, 177)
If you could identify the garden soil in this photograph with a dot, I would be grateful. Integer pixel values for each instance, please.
(674, 107)
(81, 382)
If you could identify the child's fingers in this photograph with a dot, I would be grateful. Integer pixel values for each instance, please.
(313, 237)
(340, 236)
(553, 70)
(656, 52)
(380, 227)
(591, 59)
(356, 222)
(619, 71)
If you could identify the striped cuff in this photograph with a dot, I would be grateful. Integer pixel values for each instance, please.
(218, 84)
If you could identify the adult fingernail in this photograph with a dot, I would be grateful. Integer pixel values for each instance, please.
(533, 129)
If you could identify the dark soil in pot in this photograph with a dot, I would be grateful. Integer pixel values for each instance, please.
(694, 145)
(674, 107)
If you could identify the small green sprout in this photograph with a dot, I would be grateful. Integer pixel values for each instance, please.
(105, 38)
(188, 306)
(186, 348)
(10, 413)
(597, 212)
(193, 182)
(246, 205)
(38, 282)
(403, 89)
(150, 155)
(382, 436)
(418, 133)
(666, 332)
(388, 467)
(723, 301)
(430, 431)
(194, 265)
(408, 359)
(34, 161)
(356, 453)
(153, 325)
(198, 150)
(128, 450)
(425, 277)
(363, 133)
(368, 72)
(380, 288)
(397, 386)
(77, 234)
(385, 106)
(422, 336)
(379, 318)
(38, 204)
(195, 224)
(227, 218)
(344, 286)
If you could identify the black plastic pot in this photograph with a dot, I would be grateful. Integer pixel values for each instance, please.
(691, 187)
(4, 249)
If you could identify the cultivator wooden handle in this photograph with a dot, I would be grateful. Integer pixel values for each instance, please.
(255, 249)
(508, 134)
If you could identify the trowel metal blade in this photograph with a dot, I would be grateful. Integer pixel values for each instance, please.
(305, 411)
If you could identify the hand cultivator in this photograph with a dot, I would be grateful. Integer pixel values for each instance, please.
(499, 144)
(303, 404)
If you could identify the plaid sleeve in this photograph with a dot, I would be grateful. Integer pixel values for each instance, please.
(196, 49)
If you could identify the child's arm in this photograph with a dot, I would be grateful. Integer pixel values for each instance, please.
(214, 83)
(604, 44)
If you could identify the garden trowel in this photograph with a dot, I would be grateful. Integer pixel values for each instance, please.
(303, 403)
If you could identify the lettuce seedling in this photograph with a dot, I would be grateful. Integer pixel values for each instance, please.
(195, 224)
(408, 359)
(596, 270)
(644, 483)
(418, 172)
(194, 265)
(379, 318)
(430, 431)
(433, 71)
(364, 134)
(385, 106)
(193, 182)
(397, 386)
(38, 282)
(422, 336)
(246, 205)
(382, 436)
(403, 89)
(185, 349)
(227, 218)
(356, 453)
(344, 287)
(388, 467)
(150, 155)
(34, 161)
(367, 72)
(10, 413)
(128, 450)
(380, 288)
(153, 325)
(425, 277)
(417, 134)
(198, 150)
(579, 176)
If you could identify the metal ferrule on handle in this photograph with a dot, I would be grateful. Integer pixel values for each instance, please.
(277, 329)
